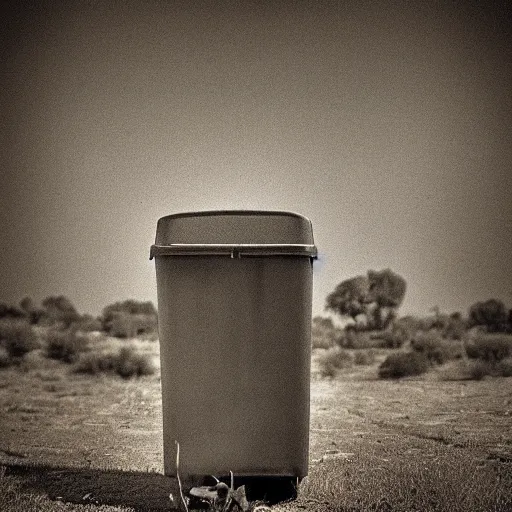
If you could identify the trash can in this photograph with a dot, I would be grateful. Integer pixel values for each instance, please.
(234, 304)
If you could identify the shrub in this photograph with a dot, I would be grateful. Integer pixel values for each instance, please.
(492, 314)
(456, 327)
(94, 362)
(324, 334)
(12, 312)
(354, 338)
(87, 323)
(59, 310)
(403, 364)
(490, 347)
(17, 337)
(364, 357)
(126, 325)
(479, 369)
(65, 346)
(435, 348)
(126, 363)
(504, 367)
(394, 338)
(333, 360)
(129, 318)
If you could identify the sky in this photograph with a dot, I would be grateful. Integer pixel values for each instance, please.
(387, 124)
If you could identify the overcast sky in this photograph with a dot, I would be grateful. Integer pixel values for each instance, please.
(388, 124)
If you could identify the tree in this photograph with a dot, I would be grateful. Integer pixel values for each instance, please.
(491, 314)
(377, 296)
(350, 298)
(387, 291)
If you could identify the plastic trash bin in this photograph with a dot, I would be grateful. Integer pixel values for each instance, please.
(234, 304)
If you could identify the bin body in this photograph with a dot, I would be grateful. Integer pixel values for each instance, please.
(234, 302)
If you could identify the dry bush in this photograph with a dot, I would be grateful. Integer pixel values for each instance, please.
(65, 346)
(479, 369)
(129, 363)
(394, 338)
(333, 360)
(93, 363)
(17, 337)
(355, 339)
(504, 367)
(126, 363)
(403, 364)
(436, 349)
(324, 334)
(87, 323)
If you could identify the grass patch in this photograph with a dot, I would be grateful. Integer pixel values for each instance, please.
(448, 482)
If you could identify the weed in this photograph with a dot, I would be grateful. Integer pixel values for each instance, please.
(403, 364)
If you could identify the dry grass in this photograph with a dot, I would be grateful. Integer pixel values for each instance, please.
(445, 483)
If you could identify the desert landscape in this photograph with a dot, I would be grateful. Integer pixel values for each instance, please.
(81, 426)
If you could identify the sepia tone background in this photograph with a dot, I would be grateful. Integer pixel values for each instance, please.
(386, 123)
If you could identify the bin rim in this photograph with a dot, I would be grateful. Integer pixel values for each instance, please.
(234, 250)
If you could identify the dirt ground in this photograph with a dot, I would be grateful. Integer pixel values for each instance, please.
(97, 440)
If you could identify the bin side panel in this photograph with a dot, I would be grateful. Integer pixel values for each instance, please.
(235, 350)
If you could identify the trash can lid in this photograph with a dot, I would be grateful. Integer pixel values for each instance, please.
(234, 233)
